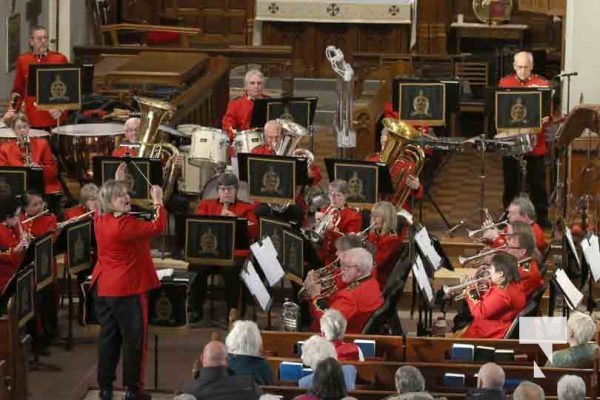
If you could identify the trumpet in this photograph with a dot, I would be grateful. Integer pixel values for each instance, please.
(467, 260)
(326, 277)
(330, 221)
(477, 234)
(481, 282)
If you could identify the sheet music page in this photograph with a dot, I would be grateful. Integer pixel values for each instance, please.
(422, 280)
(591, 252)
(164, 273)
(424, 242)
(256, 286)
(266, 255)
(574, 296)
(569, 237)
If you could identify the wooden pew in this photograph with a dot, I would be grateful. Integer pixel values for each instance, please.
(289, 392)
(11, 351)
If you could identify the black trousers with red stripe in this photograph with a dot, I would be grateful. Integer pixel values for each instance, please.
(123, 325)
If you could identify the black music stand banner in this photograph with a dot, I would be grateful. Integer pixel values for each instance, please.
(210, 240)
(300, 110)
(79, 239)
(420, 102)
(293, 253)
(274, 229)
(168, 304)
(56, 86)
(105, 168)
(24, 294)
(44, 258)
(518, 111)
(15, 181)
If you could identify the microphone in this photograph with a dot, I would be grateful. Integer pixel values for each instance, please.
(565, 74)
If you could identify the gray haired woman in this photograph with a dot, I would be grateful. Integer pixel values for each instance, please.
(244, 345)
(581, 353)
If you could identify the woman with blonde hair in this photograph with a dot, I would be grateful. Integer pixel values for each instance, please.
(385, 239)
(244, 345)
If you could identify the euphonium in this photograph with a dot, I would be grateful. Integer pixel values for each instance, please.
(466, 260)
(330, 220)
(291, 134)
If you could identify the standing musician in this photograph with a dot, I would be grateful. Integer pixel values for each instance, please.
(131, 132)
(238, 115)
(227, 205)
(521, 244)
(342, 220)
(38, 40)
(494, 311)
(122, 278)
(357, 301)
(536, 173)
(13, 242)
(387, 243)
(295, 212)
(520, 209)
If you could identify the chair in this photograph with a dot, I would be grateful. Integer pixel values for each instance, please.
(537, 297)
(513, 331)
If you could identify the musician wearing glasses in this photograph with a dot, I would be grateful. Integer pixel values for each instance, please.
(39, 54)
(494, 310)
(357, 300)
(131, 132)
(521, 244)
(383, 236)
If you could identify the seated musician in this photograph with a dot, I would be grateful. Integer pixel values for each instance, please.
(520, 209)
(521, 244)
(316, 349)
(494, 311)
(383, 236)
(13, 242)
(35, 210)
(88, 201)
(227, 204)
(131, 132)
(357, 301)
(582, 351)
(342, 219)
(273, 137)
(238, 115)
(333, 328)
(32, 152)
(244, 346)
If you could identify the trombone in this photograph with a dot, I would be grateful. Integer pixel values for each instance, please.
(467, 260)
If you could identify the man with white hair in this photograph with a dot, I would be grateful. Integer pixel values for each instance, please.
(238, 116)
(581, 353)
(359, 298)
(131, 132)
(529, 391)
(316, 349)
(333, 328)
(490, 381)
(410, 384)
(570, 387)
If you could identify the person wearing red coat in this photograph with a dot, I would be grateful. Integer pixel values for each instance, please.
(238, 115)
(333, 328)
(12, 243)
(38, 40)
(88, 201)
(383, 236)
(521, 244)
(122, 278)
(357, 301)
(131, 131)
(495, 310)
(536, 172)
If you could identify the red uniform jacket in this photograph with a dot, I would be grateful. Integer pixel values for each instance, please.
(37, 118)
(357, 302)
(538, 234)
(9, 259)
(388, 249)
(74, 212)
(11, 155)
(238, 115)
(531, 278)
(346, 351)
(39, 226)
(125, 266)
(495, 311)
(122, 151)
(512, 81)
(350, 222)
(241, 210)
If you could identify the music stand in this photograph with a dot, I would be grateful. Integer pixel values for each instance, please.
(16, 181)
(58, 86)
(296, 109)
(40, 251)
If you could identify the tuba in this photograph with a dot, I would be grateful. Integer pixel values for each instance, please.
(409, 157)
(292, 134)
(153, 113)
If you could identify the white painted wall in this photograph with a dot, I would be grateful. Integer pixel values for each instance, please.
(582, 51)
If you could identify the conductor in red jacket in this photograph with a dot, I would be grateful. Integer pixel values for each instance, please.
(122, 278)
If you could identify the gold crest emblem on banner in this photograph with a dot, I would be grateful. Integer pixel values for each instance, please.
(355, 187)
(58, 90)
(518, 112)
(209, 243)
(5, 189)
(287, 114)
(270, 182)
(421, 105)
(45, 261)
(78, 247)
(163, 309)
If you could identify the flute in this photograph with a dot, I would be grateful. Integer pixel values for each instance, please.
(31, 219)
(62, 224)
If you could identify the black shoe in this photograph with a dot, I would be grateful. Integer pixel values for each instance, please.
(137, 395)
(106, 394)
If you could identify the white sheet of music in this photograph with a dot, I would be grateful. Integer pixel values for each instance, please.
(422, 279)
(574, 296)
(591, 252)
(569, 237)
(266, 255)
(256, 286)
(424, 242)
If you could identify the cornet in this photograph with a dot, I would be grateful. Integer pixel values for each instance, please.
(326, 277)
(330, 221)
(466, 260)
(477, 234)
(480, 283)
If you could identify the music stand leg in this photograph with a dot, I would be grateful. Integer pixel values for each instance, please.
(523, 166)
(156, 361)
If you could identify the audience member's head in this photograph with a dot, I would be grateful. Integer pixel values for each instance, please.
(333, 325)
(185, 396)
(316, 349)
(328, 382)
(528, 391)
(214, 355)
(580, 328)
(409, 380)
(244, 339)
(490, 376)
(570, 387)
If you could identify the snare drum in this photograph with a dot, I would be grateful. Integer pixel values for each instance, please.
(79, 144)
(209, 145)
(188, 129)
(519, 143)
(246, 140)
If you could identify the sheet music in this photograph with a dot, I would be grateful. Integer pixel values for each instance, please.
(569, 237)
(572, 294)
(424, 242)
(266, 255)
(591, 252)
(256, 286)
(422, 279)
(164, 273)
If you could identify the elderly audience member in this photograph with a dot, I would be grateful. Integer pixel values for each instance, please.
(315, 350)
(528, 391)
(215, 383)
(581, 352)
(410, 385)
(333, 328)
(184, 396)
(490, 380)
(328, 382)
(570, 387)
(244, 345)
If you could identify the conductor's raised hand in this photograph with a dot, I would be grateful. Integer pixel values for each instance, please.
(157, 195)
(121, 172)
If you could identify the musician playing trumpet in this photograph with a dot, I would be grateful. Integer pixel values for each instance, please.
(521, 244)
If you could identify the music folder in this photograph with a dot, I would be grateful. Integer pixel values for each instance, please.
(15, 181)
(256, 287)
(572, 295)
(300, 110)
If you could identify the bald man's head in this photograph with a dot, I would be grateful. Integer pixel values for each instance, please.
(490, 376)
(528, 391)
(214, 354)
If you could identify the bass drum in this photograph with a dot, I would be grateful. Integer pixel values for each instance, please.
(209, 145)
